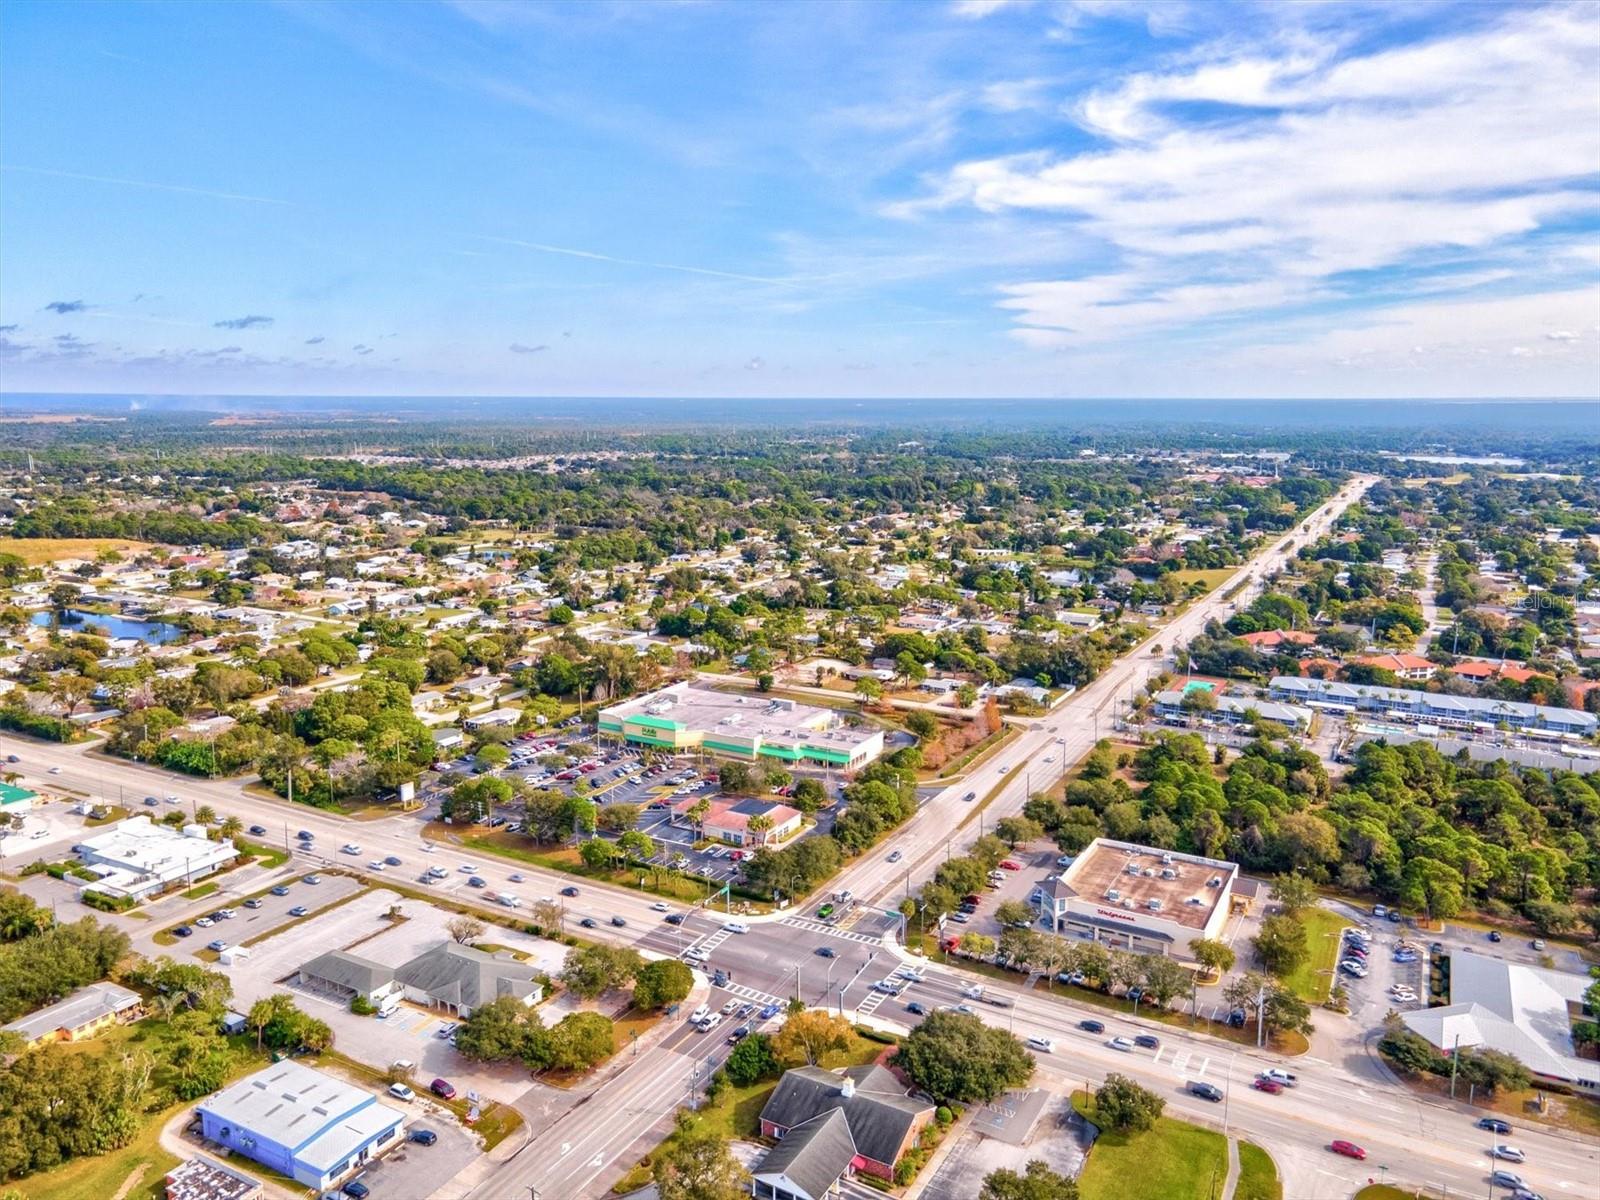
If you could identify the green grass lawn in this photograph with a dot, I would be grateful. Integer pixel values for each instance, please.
(1210, 576)
(200, 891)
(1312, 978)
(1174, 1160)
(1382, 1191)
(1258, 1175)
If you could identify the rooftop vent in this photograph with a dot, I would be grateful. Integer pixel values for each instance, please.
(1113, 894)
(1169, 873)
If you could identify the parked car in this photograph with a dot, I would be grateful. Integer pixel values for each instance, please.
(443, 1089)
(401, 1092)
(280, 890)
(356, 1190)
(217, 946)
(182, 931)
(424, 1137)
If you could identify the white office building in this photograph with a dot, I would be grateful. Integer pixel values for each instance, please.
(137, 857)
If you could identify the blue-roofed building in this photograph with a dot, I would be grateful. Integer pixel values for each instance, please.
(302, 1123)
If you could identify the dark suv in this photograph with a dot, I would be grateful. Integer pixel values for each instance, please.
(1206, 1091)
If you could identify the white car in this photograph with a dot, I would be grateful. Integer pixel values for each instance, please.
(375, 865)
(401, 1092)
(350, 848)
(695, 954)
(975, 992)
(699, 1014)
(1509, 1154)
(1042, 1045)
(735, 927)
(1121, 1043)
(658, 906)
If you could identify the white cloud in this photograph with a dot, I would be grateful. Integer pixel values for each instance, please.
(1320, 165)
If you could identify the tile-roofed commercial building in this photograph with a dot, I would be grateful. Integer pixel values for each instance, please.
(301, 1122)
(1271, 639)
(460, 978)
(1405, 666)
(750, 727)
(883, 1118)
(81, 1015)
(729, 820)
(809, 1162)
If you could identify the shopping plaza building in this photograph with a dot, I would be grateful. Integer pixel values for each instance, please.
(743, 725)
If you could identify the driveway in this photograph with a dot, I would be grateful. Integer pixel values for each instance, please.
(412, 1171)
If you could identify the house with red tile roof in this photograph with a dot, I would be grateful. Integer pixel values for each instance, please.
(1271, 639)
(1405, 666)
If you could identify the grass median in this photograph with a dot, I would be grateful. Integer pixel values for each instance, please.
(1258, 1175)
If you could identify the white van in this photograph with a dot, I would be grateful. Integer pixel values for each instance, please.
(735, 927)
(509, 900)
(388, 1005)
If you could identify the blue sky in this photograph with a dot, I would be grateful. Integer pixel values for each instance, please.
(830, 199)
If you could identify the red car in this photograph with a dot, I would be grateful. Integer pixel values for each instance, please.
(1008, 865)
(1271, 1086)
(1348, 1149)
(445, 1090)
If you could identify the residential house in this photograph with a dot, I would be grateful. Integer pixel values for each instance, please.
(882, 1119)
(81, 1015)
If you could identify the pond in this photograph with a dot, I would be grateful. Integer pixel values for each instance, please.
(156, 633)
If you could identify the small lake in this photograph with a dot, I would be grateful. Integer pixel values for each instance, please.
(155, 633)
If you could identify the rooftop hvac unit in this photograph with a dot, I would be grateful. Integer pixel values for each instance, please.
(1131, 869)
(1128, 903)
(1149, 872)
(1169, 873)
(1153, 904)
(1113, 894)
(1166, 859)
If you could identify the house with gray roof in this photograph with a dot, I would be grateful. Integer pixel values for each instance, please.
(809, 1163)
(460, 978)
(883, 1118)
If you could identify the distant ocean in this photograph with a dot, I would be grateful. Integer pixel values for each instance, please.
(1447, 417)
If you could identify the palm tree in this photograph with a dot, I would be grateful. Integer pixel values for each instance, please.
(231, 827)
(759, 825)
(205, 815)
(698, 814)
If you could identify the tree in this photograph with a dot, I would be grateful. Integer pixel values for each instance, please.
(616, 818)
(596, 968)
(580, 1040)
(978, 945)
(1036, 1182)
(205, 815)
(1216, 957)
(1014, 913)
(598, 853)
(752, 1060)
(503, 1030)
(492, 756)
(638, 846)
(1122, 1105)
(922, 723)
(1286, 1012)
(1495, 1071)
(1164, 979)
(808, 1036)
(278, 1006)
(955, 1056)
(1294, 892)
(474, 800)
(660, 983)
(868, 690)
(1281, 944)
(1016, 830)
(694, 1164)
(464, 930)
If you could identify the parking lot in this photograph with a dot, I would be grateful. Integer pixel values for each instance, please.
(362, 927)
(412, 1170)
(271, 911)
